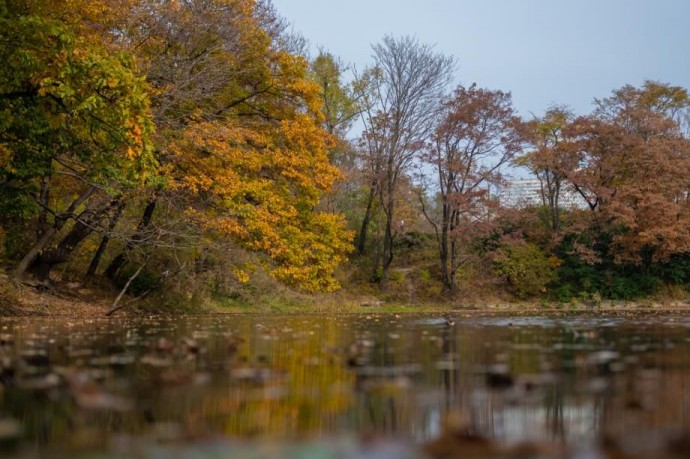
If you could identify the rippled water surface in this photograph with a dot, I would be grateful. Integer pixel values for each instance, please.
(333, 386)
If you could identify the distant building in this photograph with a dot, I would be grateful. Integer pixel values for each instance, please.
(527, 193)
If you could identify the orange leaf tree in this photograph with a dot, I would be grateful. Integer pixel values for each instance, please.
(240, 134)
(633, 169)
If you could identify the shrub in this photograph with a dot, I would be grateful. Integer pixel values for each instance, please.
(526, 268)
(675, 271)
(616, 282)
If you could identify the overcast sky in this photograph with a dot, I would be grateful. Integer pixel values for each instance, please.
(543, 51)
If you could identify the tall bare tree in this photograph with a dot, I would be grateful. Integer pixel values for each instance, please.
(409, 79)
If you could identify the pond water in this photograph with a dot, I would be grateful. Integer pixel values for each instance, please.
(346, 386)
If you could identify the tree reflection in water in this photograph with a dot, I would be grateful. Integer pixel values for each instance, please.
(74, 386)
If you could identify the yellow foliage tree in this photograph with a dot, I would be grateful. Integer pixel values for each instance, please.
(241, 135)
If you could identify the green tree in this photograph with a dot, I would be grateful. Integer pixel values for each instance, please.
(75, 123)
(340, 104)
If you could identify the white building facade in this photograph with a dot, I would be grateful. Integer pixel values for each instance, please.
(527, 193)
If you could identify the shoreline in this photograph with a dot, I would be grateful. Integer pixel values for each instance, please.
(77, 300)
(48, 306)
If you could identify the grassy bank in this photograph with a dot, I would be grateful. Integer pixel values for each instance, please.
(74, 299)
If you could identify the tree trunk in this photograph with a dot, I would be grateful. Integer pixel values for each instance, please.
(96, 260)
(115, 265)
(362, 236)
(43, 198)
(33, 253)
(448, 249)
(375, 273)
(452, 286)
(85, 225)
(387, 245)
(454, 222)
(556, 208)
(114, 308)
(445, 259)
(443, 240)
(42, 243)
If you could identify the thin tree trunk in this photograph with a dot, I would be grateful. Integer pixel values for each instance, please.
(96, 260)
(454, 222)
(362, 237)
(453, 265)
(387, 246)
(556, 208)
(115, 307)
(445, 259)
(117, 262)
(43, 198)
(375, 274)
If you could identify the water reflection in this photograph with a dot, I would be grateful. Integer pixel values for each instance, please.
(84, 385)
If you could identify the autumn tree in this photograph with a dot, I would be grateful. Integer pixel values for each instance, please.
(633, 171)
(203, 60)
(477, 132)
(408, 80)
(75, 123)
(548, 162)
(341, 105)
(240, 136)
(240, 153)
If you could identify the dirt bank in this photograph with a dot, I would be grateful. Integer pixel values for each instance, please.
(70, 298)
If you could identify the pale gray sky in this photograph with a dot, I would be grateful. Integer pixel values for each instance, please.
(543, 51)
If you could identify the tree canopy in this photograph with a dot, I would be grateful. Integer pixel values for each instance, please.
(197, 103)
